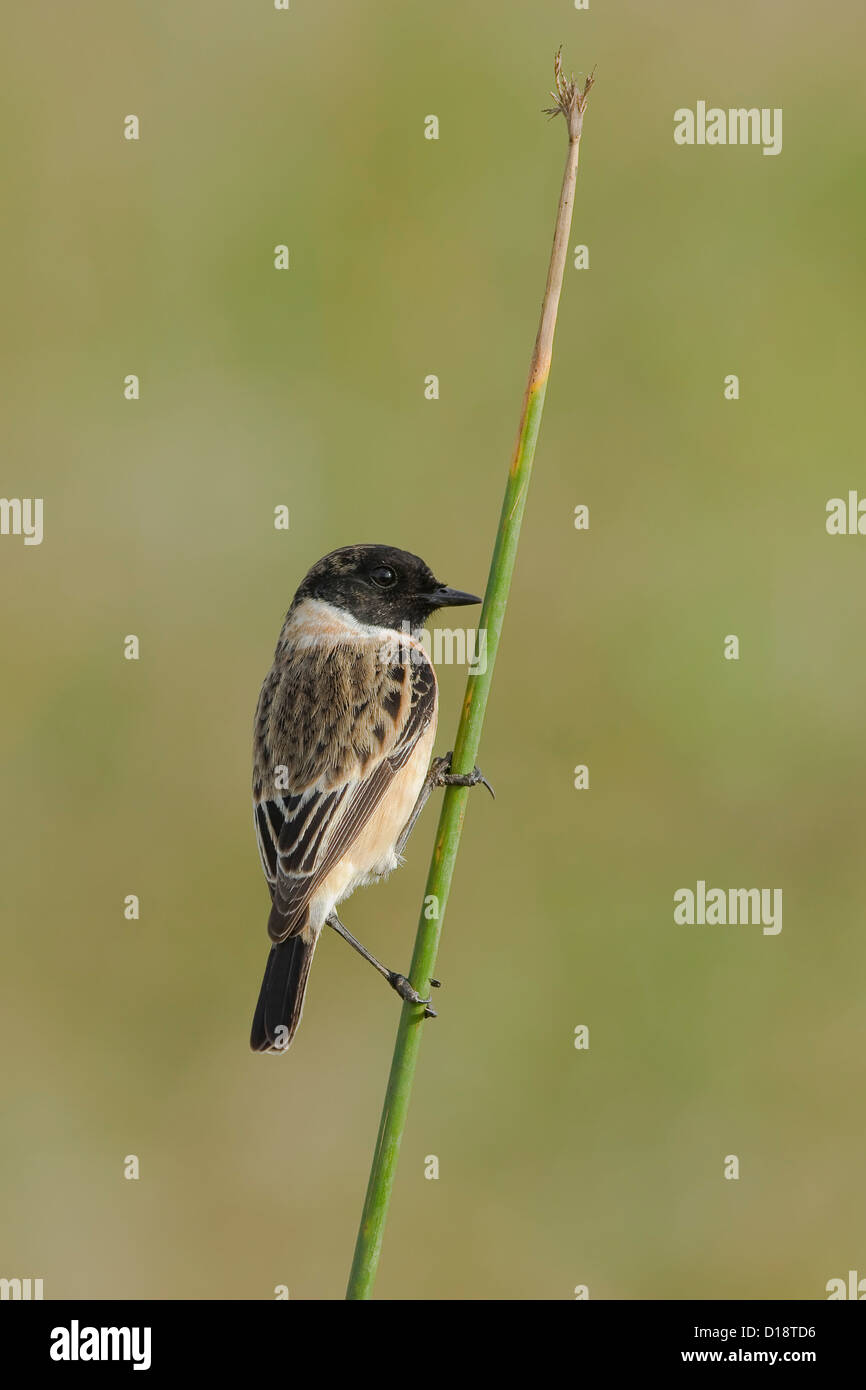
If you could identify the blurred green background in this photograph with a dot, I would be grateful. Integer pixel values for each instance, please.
(411, 257)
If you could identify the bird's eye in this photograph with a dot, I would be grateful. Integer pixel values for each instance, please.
(383, 576)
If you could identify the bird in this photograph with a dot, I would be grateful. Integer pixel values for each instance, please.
(343, 736)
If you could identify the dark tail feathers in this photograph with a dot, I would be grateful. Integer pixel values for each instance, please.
(281, 998)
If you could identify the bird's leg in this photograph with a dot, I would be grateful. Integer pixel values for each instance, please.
(440, 775)
(396, 981)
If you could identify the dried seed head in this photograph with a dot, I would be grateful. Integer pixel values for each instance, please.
(570, 99)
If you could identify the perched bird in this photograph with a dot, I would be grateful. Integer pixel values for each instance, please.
(344, 731)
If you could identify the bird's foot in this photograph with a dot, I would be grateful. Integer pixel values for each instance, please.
(405, 990)
(410, 995)
(442, 776)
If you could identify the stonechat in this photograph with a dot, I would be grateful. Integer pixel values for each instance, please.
(344, 733)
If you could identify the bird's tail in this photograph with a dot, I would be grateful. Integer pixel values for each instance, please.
(281, 998)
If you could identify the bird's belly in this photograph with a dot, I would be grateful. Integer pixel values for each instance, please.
(372, 854)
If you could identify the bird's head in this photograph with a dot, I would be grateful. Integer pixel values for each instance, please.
(380, 586)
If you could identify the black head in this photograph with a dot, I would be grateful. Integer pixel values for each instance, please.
(380, 585)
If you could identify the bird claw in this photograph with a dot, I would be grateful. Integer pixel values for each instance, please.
(444, 777)
(405, 990)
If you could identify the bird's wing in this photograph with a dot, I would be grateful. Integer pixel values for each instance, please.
(333, 729)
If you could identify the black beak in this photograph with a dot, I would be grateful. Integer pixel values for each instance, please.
(443, 597)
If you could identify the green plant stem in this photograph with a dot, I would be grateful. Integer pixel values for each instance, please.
(571, 102)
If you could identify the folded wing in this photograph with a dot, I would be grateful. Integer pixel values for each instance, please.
(333, 729)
